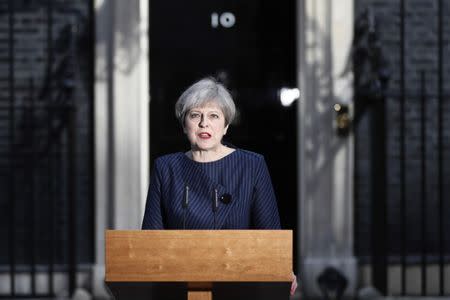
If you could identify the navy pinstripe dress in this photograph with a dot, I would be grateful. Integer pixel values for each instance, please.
(234, 192)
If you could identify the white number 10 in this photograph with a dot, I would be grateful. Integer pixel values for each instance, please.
(225, 19)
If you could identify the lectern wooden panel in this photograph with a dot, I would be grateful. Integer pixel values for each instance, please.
(198, 257)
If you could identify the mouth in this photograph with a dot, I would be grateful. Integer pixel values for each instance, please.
(204, 135)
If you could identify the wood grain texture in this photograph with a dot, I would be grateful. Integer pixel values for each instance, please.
(198, 256)
(199, 295)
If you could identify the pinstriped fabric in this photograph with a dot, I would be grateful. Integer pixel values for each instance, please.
(242, 174)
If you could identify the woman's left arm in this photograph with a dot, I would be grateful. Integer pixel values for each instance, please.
(264, 209)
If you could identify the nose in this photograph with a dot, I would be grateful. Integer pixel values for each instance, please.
(202, 122)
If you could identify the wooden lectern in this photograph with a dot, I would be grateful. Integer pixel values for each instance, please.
(198, 257)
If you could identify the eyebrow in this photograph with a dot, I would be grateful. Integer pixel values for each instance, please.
(195, 110)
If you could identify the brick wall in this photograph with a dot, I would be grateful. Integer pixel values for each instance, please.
(421, 55)
(71, 82)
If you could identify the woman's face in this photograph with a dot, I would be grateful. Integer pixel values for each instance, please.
(205, 126)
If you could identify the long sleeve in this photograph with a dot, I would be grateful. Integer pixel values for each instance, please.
(153, 216)
(242, 174)
(264, 208)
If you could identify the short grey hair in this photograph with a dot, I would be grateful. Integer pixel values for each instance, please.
(204, 91)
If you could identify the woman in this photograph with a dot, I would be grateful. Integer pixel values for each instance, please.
(211, 186)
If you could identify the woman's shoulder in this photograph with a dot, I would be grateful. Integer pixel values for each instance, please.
(250, 155)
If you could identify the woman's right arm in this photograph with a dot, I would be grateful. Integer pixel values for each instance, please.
(153, 215)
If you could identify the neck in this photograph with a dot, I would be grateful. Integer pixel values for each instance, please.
(209, 155)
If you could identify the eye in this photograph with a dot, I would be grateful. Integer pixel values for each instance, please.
(214, 116)
(194, 115)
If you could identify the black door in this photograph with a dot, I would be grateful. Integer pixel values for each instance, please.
(248, 45)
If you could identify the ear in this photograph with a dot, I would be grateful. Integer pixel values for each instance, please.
(225, 129)
(183, 126)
